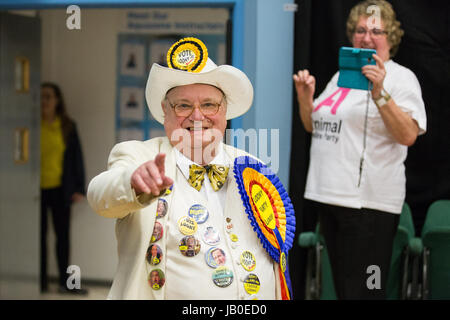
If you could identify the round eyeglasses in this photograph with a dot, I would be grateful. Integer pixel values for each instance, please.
(185, 109)
(374, 33)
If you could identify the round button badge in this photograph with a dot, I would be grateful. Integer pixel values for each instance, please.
(234, 237)
(199, 213)
(161, 209)
(283, 262)
(154, 254)
(211, 236)
(168, 191)
(229, 226)
(248, 260)
(189, 246)
(156, 279)
(251, 284)
(187, 225)
(215, 257)
(157, 232)
(222, 277)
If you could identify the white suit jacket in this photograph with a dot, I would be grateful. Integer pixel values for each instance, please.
(110, 195)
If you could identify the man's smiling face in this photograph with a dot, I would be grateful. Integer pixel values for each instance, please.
(201, 130)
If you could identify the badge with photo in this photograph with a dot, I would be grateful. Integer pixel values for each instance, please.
(189, 246)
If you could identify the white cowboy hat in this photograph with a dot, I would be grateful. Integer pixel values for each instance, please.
(233, 82)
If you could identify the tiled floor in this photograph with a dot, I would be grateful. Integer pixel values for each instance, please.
(28, 290)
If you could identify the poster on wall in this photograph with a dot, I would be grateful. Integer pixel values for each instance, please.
(145, 36)
(132, 103)
(132, 60)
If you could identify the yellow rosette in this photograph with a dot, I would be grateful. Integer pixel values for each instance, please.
(188, 54)
(269, 210)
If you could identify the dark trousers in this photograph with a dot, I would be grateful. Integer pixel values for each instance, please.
(53, 199)
(357, 239)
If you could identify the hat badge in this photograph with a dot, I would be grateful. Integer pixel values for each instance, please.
(188, 54)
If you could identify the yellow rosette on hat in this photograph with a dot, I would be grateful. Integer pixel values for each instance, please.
(188, 54)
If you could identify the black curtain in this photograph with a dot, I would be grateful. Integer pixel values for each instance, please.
(425, 49)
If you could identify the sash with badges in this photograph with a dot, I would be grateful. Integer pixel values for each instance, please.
(270, 212)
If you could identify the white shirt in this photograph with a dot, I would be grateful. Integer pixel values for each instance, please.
(337, 145)
(216, 197)
(185, 275)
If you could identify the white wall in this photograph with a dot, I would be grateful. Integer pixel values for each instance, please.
(83, 63)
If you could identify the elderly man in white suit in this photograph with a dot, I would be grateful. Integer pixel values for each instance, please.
(194, 106)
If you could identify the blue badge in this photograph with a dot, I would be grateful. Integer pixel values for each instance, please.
(215, 257)
(222, 277)
(199, 213)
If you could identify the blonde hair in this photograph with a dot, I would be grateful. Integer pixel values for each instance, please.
(391, 24)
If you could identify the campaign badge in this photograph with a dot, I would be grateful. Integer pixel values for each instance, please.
(156, 279)
(215, 257)
(211, 236)
(157, 232)
(154, 254)
(188, 54)
(269, 210)
(222, 277)
(234, 237)
(251, 284)
(199, 213)
(168, 191)
(248, 260)
(161, 209)
(187, 225)
(189, 246)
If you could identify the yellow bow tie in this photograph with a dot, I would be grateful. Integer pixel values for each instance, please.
(217, 176)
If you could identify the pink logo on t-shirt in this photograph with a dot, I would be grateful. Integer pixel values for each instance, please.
(333, 102)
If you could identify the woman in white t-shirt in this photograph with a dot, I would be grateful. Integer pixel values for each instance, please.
(356, 174)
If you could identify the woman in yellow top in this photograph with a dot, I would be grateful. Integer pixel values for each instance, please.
(62, 178)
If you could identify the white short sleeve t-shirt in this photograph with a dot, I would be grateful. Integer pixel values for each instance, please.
(337, 146)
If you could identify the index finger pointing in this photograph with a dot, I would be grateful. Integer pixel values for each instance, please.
(159, 161)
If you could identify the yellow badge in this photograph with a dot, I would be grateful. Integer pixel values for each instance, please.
(188, 54)
(248, 260)
(262, 202)
(168, 191)
(283, 262)
(251, 284)
(234, 237)
(187, 225)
